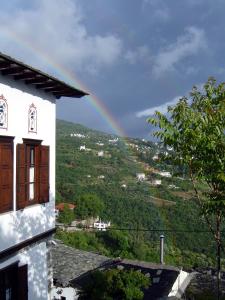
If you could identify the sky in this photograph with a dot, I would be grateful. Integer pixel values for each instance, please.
(132, 56)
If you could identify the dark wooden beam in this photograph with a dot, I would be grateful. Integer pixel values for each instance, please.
(12, 70)
(47, 85)
(36, 80)
(63, 93)
(67, 94)
(18, 247)
(25, 75)
(56, 88)
(4, 64)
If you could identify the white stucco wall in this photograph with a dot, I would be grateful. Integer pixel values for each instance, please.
(35, 258)
(17, 226)
(180, 285)
(68, 292)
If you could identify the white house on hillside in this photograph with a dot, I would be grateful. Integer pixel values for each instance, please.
(27, 177)
(140, 176)
(100, 153)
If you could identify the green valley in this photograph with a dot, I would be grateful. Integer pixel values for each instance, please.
(142, 197)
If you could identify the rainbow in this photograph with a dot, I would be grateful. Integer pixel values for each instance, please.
(69, 77)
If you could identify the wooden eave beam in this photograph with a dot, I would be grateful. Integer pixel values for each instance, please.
(25, 75)
(48, 84)
(36, 80)
(4, 64)
(12, 70)
(56, 89)
(67, 94)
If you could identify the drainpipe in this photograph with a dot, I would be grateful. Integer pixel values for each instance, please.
(161, 249)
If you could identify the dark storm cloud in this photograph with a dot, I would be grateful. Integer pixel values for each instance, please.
(133, 55)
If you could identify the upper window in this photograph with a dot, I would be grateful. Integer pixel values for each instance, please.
(32, 119)
(3, 113)
(32, 173)
(6, 174)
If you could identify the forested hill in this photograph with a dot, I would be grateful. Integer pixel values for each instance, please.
(106, 165)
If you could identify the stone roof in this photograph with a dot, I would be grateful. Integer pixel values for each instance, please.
(69, 263)
(72, 267)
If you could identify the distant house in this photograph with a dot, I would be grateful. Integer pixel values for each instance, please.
(100, 153)
(62, 205)
(156, 182)
(173, 186)
(113, 141)
(27, 177)
(102, 226)
(100, 144)
(83, 147)
(140, 176)
(155, 157)
(165, 174)
(60, 208)
(101, 176)
(79, 135)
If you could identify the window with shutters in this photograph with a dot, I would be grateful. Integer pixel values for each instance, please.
(6, 174)
(13, 283)
(32, 173)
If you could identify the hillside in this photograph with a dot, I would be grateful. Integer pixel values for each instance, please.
(106, 165)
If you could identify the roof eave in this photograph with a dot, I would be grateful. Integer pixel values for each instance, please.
(36, 78)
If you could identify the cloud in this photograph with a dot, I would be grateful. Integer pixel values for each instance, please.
(190, 43)
(140, 54)
(56, 28)
(161, 108)
(158, 10)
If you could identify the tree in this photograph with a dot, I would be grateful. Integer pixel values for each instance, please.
(115, 284)
(67, 215)
(89, 205)
(195, 129)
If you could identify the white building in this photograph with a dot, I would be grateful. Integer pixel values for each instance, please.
(155, 157)
(113, 141)
(101, 226)
(100, 153)
(83, 147)
(140, 176)
(156, 182)
(27, 177)
(165, 174)
(100, 144)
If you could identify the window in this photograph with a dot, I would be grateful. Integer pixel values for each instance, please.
(6, 174)
(32, 173)
(3, 113)
(32, 119)
(13, 283)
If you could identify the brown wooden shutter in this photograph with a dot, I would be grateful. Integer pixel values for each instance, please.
(6, 175)
(44, 174)
(21, 170)
(22, 283)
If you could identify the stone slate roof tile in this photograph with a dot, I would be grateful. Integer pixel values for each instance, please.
(69, 263)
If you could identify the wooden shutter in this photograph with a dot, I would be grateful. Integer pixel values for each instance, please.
(44, 174)
(6, 175)
(21, 171)
(22, 283)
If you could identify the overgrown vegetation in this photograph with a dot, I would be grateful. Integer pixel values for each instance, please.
(127, 203)
(114, 284)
